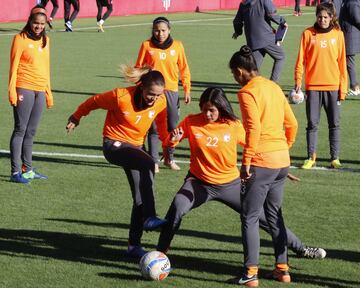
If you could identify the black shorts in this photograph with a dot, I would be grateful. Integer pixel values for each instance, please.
(105, 3)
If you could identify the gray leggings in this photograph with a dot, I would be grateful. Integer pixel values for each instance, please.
(276, 53)
(27, 115)
(173, 108)
(194, 193)
(314, 101)
(139, 169)
(351, 68)
(263, 193)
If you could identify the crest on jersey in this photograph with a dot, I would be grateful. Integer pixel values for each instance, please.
(172, 52)
(151, 114)
(227, 138)
(198, 135)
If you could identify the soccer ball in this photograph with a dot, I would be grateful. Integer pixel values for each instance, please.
(295, 98)
(154, 265)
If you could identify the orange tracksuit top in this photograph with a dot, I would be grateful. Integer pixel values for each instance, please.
(269, 122)
(29, 67)
(213, 151)
(123, 121)
(324, 58)
(168, 61)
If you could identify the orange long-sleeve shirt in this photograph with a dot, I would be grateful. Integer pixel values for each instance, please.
(29, 67)
(124, 122)
(213, 151)
(169, 62)
(322, 57)
(269, 123)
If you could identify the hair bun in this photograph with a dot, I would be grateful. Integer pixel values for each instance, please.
(245, 51)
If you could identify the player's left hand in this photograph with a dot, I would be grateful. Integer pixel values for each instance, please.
(187, 98)
(245, 172)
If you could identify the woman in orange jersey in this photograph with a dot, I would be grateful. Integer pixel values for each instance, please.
(29, 87)
(130, 112)
(271, 128)
(322, 57)
(166, 55)
(213, 136)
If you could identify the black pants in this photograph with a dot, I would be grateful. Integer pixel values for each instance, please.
(139, 168)
(67, 7)
(103, 3)
(55, 6)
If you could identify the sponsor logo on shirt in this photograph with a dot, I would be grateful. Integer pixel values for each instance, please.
(31, 46)
(172, 52)
(333, 41)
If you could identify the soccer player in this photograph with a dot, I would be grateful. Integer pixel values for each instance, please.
(213, 136)
(255, 17)
(53, 11)
(322, 53)
(270, 127)
(101, 18)
(69, 19)
(130, 112)
(350, 25)
(29, 88)
(167, 55)
(297, 10)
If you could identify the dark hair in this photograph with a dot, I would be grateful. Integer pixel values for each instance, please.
(161, 19)
(35, 12)
(216, 96)
(329, 8)
(243, 58)
(152, 77)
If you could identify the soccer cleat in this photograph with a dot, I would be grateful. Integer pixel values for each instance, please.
(18, 178)
(296, 13)
(281, 276)
(249, 281)
(101, 28)
(152, 223)
(308, 164)
(354, 91)
(34, 175)
(335, 164)
(172, 165)
(312, 253)
(135, 251)
(157, 169)
(68, 27)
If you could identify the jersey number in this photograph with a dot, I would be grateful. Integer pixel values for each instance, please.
(138, 117)
(162, 55)
(212, 142)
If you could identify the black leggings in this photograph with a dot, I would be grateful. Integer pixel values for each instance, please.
(139, 168)
(55, 6)
(67, 6)
(103, 3)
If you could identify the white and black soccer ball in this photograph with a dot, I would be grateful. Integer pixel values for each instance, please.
(154, 265)
(295, 97)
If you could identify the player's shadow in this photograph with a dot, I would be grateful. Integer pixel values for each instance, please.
(74, 92)
(72, 146)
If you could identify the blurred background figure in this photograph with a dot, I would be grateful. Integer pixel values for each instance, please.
(70, 18)
(297, 11)
(350, 25)
(53, 11)
(101, 18)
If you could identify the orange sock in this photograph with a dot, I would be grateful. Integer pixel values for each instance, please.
(282, 267)
(251, 270)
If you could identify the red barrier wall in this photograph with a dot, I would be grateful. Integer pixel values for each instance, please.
(17, 10)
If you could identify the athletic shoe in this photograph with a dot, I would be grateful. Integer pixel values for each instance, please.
(281, 276)
(49, 22)
(354, 91)
(157, 169)
(296, 13)
(245, 280)
(172, 165)
(308, 164)
(68, 27)
(312, 253)
(34, 175)
(152, 223)
(135, 251)
(335, 164)
(18, 178)
(101, 28)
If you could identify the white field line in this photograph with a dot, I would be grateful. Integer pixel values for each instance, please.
(88, 156)
(150, 23)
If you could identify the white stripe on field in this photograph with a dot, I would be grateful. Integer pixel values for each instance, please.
(75, 155)
(150, 23)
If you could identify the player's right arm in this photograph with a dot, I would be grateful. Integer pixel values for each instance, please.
(238, 23)
(299, 66)
(16, 51)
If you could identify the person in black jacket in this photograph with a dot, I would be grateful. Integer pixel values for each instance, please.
(255, 17)
(350, 25)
